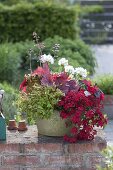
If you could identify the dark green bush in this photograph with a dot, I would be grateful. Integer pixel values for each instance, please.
(18, 22)
(10, 97)
(9, 62)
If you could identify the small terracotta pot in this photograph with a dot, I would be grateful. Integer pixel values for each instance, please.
(12, 125)
(22, 125)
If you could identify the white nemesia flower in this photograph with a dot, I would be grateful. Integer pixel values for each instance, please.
(69, 69)
(81, 71)
(63, 61)
(47, 58)
(87, 93)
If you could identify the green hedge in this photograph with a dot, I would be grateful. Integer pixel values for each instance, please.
(18, 22)
(9, 62)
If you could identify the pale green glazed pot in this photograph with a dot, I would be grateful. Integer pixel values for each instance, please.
(54, 126)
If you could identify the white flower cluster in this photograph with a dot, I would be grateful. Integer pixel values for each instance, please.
(69, 69)
(47, 58)
(63, 62)
(81, 71)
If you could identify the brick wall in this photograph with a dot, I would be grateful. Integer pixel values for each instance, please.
(26, 151)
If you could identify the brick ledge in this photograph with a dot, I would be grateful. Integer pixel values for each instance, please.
(27, 151)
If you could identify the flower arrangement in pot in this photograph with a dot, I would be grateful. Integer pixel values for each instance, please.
(63, 103)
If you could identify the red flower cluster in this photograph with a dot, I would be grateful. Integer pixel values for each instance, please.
(82, 109)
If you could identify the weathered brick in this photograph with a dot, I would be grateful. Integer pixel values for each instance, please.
(83, 147)
(56, 160)
(9, 168)
(43, 148)
(9, 149)
(21, 160)
(44, 168)
(74, 160)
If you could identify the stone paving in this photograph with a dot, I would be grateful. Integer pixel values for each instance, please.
(109, 132)
(104, 57)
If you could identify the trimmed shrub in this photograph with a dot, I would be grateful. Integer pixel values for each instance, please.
(18, 22)
(10, 97)
(9, 62)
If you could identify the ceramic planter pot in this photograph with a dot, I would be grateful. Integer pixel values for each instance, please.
(54, 126)
(108, 106)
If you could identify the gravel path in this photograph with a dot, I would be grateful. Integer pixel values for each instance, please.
(104, 56)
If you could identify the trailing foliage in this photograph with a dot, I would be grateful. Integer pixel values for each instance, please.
(18, 22)
(10, 96)
(105, 83)
(37, 106)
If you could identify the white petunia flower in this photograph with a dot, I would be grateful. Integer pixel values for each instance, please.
(2, 91)
(87, 93)
(81, 71)
(69, 69)
(47, 58)
(50, 59)
(63, 61)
